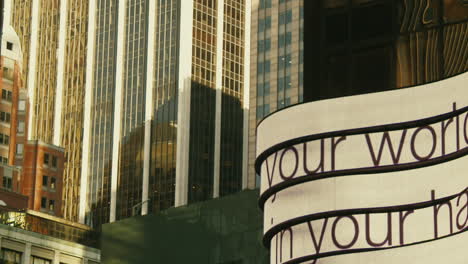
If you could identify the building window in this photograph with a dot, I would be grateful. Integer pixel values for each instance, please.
(9, 45)
(4, 139)
(260, 67)
(51, 205)
(22, 105)
(43, 202)
(46, 159)
(52, 183)
(20, 128)
(5, 117)
(259, 112)
(7, 182)
(265, 3)
(281, 103)
(6, 95)
(54, 162)
(10, 257)
(267, 44)
(264, 45)
(266, 109)
(284, 61)
(264, 24)
(45, 181)
(3, 160)
(37, 260)
(284, 39)
(266, 66)
(260, 46)
(266, 89)
(19, 149)
(285, 17)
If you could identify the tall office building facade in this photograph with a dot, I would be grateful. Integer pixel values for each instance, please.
(148, 99)
(166, 105)
(277, 57)
(53, 40)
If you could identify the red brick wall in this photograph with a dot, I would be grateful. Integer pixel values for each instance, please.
(34, 169)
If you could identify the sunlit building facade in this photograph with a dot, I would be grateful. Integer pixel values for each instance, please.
(53, 39)
(167, 99)
(13, 100)
(105, 80)
(277, 59)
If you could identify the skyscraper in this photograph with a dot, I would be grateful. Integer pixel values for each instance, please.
(277, 57)
(53, 40)
(149, 99)
(166, 105)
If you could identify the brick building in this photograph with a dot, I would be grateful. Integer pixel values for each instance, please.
(30, 171)
(42, 176)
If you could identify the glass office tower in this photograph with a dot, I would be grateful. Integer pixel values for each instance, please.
(54, 43)
(166, 105)
(148, 98)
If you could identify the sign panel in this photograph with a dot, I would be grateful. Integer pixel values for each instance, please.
(383, 176)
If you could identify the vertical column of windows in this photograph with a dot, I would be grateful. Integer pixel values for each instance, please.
(232, 97)
(102, 113)
(164, 125)
(21, 22)
(203, 100)
(263, 59)
(284, 82)
(73, 104)
(129, 187)
(46, 71)
(204, 42)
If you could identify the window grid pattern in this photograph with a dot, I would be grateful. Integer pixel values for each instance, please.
(102, 113)
(203, 100)
(232, 97)
(284, 82)
(164, 125)
(73, 104)
(9, 256)
(204, 42)
(21, 22)
(263, 30)
(287, 56)
(46, 71)
(129, 186)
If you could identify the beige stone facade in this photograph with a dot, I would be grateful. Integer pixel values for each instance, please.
(275, 64)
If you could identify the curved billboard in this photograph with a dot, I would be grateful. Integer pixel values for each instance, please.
(374, 178)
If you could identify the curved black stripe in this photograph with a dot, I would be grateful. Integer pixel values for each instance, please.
(360, 171)
(358, 211)
(356, 131)
(361, 250)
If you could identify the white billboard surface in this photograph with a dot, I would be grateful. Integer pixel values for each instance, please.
(374, 178)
